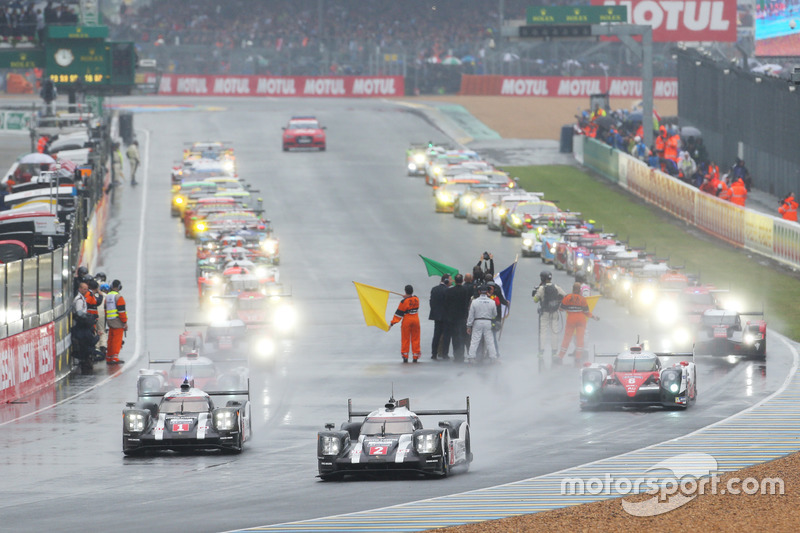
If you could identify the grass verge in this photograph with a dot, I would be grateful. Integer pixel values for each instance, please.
(751, 278)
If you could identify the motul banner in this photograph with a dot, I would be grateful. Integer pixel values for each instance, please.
(27, 362)
(550, 86)
(325, 86)
(682, 20)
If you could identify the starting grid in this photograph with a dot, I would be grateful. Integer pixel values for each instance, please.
(766, 431)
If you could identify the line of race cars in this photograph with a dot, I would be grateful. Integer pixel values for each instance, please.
(247, 312)
(685, 317)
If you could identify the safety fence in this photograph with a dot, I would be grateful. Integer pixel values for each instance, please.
(563, 86)
(739, 226)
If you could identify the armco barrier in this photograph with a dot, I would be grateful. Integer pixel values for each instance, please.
(761, 233)
(564, 86)
(315, 86)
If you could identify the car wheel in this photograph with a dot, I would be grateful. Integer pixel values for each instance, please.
(445, 471)
(322, 148)
(762, 350)
(285, 148)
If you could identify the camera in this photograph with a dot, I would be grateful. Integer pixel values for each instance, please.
(485, 256)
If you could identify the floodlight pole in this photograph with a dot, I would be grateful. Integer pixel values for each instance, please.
(643, 51)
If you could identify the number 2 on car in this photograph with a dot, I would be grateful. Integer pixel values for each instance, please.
(378, 450)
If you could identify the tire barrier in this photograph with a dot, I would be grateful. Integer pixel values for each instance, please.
(745, 228)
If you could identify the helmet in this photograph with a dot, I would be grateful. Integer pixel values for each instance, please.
(104, 287)
(100, 276)
(116, 285)
(545, 276)
(83, 271)
(483, 288)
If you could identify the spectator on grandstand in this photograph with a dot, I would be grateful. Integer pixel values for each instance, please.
(653, 160)
(739, 171)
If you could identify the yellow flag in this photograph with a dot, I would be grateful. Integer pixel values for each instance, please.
(592, 301)
(373, 303)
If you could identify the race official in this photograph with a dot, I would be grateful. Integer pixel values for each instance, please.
(438, 348)
(456, 309)
(482, 311)
(788, 209)
(738, 192)
(102, 329)
(83, 323)
(117, 322)
(548, 295)
(577, 314)
(408, 312)
(133, 159)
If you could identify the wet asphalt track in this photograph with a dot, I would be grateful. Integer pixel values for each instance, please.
(347, 214)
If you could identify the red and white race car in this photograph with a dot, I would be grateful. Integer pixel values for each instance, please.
(304, 132)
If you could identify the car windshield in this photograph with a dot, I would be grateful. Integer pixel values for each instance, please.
(304, 124)
(636, 364)
(188, 404)
(192, 371)
(699, 298)
(380, 425)
(535, 209)
(719, 320)
(249, 304)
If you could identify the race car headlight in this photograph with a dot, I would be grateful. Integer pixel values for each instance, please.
(218, 314)
(749, 338)
(224, 420)
(179, 200)
(265, 347)
(261, 272)
(419, 159)
(426, 443)
(671, 380)
(412, 166)
(215, 280)
(552, 249)
(588, 388)
(626, 284)
(480, 204)
(134, 422)
(270, 246)
(466, 200)
(540, 229)
(592, 380)
(444, 197)
(228, 166)
(527, 242)
(285, 318)
(502, 212)
(330, 445)
(681, 336)
(200, 227)
(647, 296)
(667, 313)
(516, 220)
(437, 170)
(579, 261)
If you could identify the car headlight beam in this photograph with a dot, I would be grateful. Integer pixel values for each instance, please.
(427, 443)
(224, 420)
(330, 445)
(134, 422)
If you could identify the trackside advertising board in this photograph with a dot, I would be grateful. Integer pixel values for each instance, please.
(554, 86)
(27, 362)
(316, 86)
(682, 20)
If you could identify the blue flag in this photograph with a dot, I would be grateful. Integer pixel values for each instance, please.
(505, 280)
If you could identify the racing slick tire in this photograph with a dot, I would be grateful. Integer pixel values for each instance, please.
(761, 352)
(322, 148)
(285, 148)
(445, 466)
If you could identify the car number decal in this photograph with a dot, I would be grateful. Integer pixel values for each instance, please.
(720, 332)
(378, 450)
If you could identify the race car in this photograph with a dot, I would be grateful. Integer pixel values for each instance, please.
(392, 439)
(417, 155)
(188, 192)
(445, 196)
(723, 332)
(521, 217)
(186, 418)
(304, 132)
(638, 378)
(201, 371)
(212, 150)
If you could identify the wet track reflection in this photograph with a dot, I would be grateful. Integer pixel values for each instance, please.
(348, 214)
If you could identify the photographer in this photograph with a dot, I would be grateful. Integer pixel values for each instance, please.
(485, 265)
(788, 208)
(548, 295)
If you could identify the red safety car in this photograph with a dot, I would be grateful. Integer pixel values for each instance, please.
(304, 132)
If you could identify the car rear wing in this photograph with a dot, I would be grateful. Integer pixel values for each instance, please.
(234, 392)
(404, 402)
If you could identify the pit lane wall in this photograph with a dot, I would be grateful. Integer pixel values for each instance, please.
(273, 86)
(745, 228)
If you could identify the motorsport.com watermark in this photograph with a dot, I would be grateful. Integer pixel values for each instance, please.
(673, 483)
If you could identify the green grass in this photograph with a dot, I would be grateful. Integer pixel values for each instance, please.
(753, 279)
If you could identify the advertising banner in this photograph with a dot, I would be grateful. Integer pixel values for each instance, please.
(325, 86)
(27, 362)
(682, 20)
(556, 86)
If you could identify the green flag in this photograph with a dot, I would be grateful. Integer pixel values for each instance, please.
(436, 268)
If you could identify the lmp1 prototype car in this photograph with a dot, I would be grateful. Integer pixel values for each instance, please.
(186, 418)
(723, 332)
(392, 439)
(637, 378)
(304, 132)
